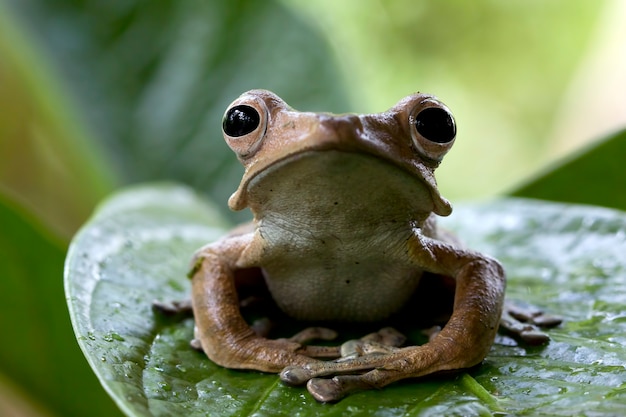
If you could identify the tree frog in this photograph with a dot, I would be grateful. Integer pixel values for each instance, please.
(344, 230)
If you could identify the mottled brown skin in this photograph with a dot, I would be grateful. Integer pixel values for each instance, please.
(344, 227)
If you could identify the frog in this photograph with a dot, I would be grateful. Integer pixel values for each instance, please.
(344, 230)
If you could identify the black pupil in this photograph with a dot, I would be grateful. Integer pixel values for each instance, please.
(436, 125)
(240, 120)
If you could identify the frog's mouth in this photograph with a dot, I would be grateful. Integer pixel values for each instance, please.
(317, 176)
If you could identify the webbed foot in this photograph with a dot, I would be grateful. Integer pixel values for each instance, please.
(525, 322)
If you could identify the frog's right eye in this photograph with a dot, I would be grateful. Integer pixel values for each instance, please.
(240, 120)
(436, 125)
(244, 125)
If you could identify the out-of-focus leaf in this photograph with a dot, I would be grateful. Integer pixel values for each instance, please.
(153, 78)
(502, 67)
(38, 351)
(47, 160)
(595, 175)
(568, 259)
(14, 402)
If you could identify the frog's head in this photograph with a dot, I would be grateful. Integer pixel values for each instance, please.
(410, 140)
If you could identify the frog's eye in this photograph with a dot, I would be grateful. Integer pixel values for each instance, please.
(244, 124)
(436, 125)
(432, 129)
(240, 120)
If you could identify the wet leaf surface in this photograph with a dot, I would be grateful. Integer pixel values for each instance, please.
(568, 259)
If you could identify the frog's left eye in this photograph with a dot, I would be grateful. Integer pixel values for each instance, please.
(244, 124)
(432, 129)
(240, 120)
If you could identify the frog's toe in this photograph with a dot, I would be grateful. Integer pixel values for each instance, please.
(530, 314)
(357, 348)
(296, 375)
(326, 390)
(547, 320)
(333, 389)
(386, 336)
(313, 333)
(534, 337)
(196, 345)
(172, 308)
(526, 332)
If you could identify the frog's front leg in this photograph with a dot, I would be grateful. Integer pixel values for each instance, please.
(224, 335)
(463, 342)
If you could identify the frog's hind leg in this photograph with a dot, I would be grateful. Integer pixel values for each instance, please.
(371, 371)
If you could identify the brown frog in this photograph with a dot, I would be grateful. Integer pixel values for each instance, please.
(344, 228)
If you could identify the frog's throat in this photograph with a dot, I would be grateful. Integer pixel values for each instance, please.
(441, 206)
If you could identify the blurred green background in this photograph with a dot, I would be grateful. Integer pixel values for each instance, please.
(98, 94)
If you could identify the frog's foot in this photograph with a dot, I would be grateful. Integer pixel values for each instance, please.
(383, 341)
(375, 369)
(524, 323)
(315, 333)
(387, 336)
(357, 356)
(173, 308)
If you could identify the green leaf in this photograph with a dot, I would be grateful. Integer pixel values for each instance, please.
(595, 175)
(38, 351)
(568, 259)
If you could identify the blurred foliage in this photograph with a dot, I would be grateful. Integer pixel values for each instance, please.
(152, 79)
(47, 161)
(101, 93)
(37, 350)
(502, 67)
(594, 175)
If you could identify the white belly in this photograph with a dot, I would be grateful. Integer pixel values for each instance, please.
(333, 228)
(348, 282)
